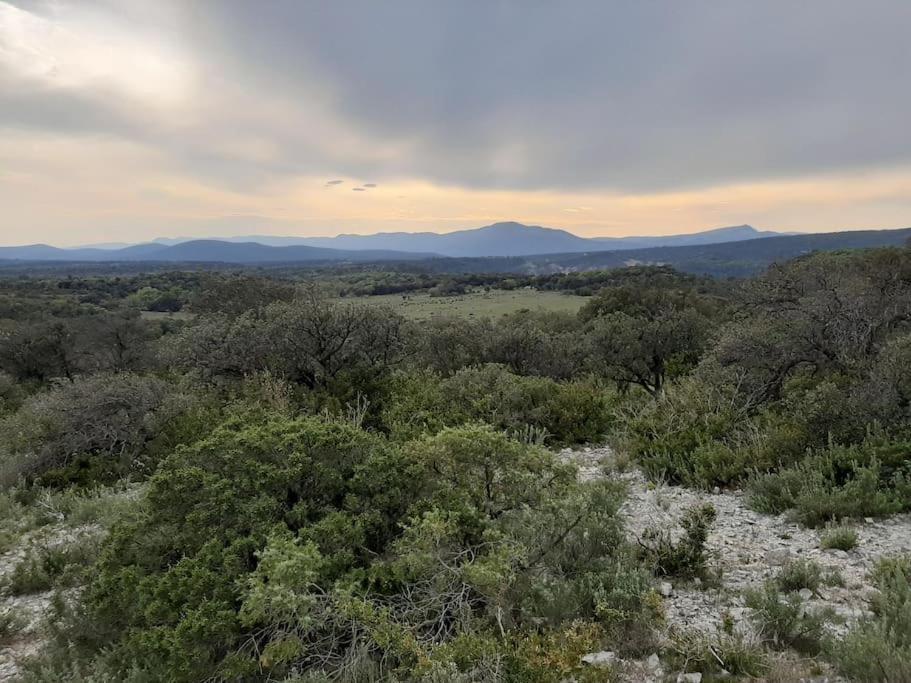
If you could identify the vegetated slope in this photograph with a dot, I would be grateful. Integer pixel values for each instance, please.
(732, 259)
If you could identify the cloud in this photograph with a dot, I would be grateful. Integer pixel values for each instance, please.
(358, 189)
(618, 96)
(593, 99)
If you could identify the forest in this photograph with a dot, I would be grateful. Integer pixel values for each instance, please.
(257, 475)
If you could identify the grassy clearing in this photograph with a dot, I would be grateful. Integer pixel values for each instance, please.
(166, 315)
(475, 304)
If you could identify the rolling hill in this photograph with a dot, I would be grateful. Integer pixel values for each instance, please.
(499, 239)
(204, 251)
(728, 259)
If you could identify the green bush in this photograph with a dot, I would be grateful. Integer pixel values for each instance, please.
(575, 411)
(88, 430)
(799, 574)
(685, 557)
(879, 649)
(696, 433)
(838, 537)
(840, 482)
(784, 621)
(45, 566)
(692, 650)
(272, 545)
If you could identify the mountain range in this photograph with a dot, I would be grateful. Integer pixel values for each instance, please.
(503, 247)
(497, 240)
(205, 251)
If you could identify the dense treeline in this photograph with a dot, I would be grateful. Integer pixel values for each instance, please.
(329, 491)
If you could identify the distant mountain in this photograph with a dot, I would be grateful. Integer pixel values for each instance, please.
(503, 247)
(736, 233)
(205, 251)
(728, 259)
(502, 239)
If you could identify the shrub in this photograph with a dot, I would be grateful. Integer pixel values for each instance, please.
(697, 433)
(879, 649)
(569, 412)
(315, 546)
(836, 483)
(46, 566)
(840, 537)
(11, 623)
(784, 621)
(685, 557)
(87, 430)
(799, 574)
(692, 650)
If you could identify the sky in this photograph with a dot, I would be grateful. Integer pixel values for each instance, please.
(126, 120)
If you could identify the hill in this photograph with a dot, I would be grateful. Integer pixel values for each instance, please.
(204, 251)
(730, 259)
(499, 239)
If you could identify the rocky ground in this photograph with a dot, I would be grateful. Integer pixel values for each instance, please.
(748, 548)
(745, 547)
(31, 609)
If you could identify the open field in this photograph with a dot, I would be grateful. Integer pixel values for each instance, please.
(475, 304)
(166, 315)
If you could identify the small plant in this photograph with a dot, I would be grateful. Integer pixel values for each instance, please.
(799, 574)
(44, 567)
(11, 624)
(784, 621)
(833, 577)
(886, 638)
(693, 650)
(840, 537)
(685, 557)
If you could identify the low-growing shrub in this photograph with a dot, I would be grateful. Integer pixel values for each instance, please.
(11, 623)
(568, 412)
(834, 484)
(838, 537)
(45, 566)
(314, 546)
(878, 649)
(693, 650)
(87, 431)
(799, 574)
(686, 556)
(784, 620)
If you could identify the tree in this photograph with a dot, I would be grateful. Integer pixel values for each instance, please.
(112, 417)
(40, 351)
(828, 313)
(643, 338)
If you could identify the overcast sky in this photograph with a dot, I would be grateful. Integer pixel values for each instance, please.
(124, 120)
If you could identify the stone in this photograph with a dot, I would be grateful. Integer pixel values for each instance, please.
(689, 678)
(805, 593)
(666, 589)
(653, 662)
(603, 658)
(777, 556)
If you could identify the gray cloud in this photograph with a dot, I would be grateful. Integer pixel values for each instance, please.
(593, 94)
